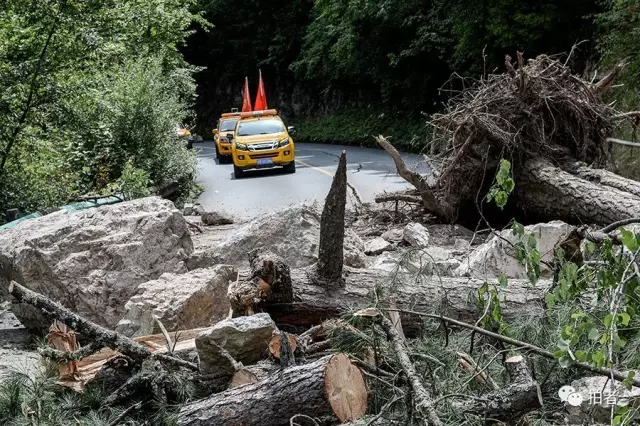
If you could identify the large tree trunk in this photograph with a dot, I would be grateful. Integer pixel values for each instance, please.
(330, 386)
(314, 303)
(547, 192)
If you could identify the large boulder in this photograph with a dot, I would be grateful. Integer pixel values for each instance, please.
(497, 256)
(292, 233)
(93, 261)
(180, 301)
(246, 339)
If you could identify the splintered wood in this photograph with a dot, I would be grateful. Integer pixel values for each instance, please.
(87, 368)
(62, 338)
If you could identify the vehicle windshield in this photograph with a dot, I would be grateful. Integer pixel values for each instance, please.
(260, 127)
(228, 125)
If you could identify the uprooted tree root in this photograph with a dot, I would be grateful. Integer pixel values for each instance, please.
(538, 110)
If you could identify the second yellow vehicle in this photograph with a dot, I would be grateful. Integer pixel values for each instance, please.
(226, 125)
(261, 140)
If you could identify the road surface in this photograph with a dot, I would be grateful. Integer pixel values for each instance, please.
(370, 171)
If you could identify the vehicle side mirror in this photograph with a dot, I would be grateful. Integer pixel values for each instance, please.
(214, 131)
(230, 136)
(291, 129)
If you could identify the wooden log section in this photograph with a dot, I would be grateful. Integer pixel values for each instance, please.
(512, 402)
(548, 193)
(330, 386)
(312, 303)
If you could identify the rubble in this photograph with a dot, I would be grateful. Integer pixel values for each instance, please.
(180, 301)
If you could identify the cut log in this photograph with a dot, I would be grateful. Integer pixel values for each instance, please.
(253, 373)
(548, 192)
(455, 297)
(330, 386)
(331, 246)
(512, 402)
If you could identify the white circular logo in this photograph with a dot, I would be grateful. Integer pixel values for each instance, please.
(564, 392)
(574, 399)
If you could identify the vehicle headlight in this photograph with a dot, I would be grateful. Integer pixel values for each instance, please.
(283, 142)
(241, 147)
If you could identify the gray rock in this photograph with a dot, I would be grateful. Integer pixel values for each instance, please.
(432, 260)
(354, 250)
(596, 397)
(93, 261)
(497, 256)
(394, 235)
(377, 246)
(198, 210)
(292, 233)
(188, 209)
(246, 339)
(181, 302)
(215, 218)
(416, 235)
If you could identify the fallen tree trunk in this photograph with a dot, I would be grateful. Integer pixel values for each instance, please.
(312, 303)
(512, 402)
(606, 178)
(330, 386)
(548, 192)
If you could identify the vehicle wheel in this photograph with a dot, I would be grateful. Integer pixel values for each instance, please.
(237, 172)
(190, 144)
(218, 156)
(290, 168)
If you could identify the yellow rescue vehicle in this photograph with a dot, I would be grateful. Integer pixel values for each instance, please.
(261, 140)
(226, 124)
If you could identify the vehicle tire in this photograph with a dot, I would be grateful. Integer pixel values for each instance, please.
(290, 168)
(218, 156)
(238, 173)
(190, 144)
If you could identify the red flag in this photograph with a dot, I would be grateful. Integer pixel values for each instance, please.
(261, 97)
(246, 99)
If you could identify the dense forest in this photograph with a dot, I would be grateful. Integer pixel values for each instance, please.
(91, 91)
(341, 69)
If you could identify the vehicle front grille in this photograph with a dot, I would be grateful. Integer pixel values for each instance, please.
(262, 146)
(269, 155)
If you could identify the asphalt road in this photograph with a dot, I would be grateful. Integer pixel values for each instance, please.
(370, 171)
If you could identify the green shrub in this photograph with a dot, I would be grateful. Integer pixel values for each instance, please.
(353, 126)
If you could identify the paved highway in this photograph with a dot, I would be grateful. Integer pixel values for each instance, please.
(370, 171)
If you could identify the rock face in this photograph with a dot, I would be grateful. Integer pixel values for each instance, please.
(596, 397)
(93, 261)
(195, 299)
(246, 339)
(416, 235)
(496, 256)
(377, 246)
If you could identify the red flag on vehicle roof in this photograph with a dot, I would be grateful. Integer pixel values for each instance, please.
(261, 97)
(246, 99)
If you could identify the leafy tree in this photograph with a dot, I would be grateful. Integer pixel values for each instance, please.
(62, 62)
